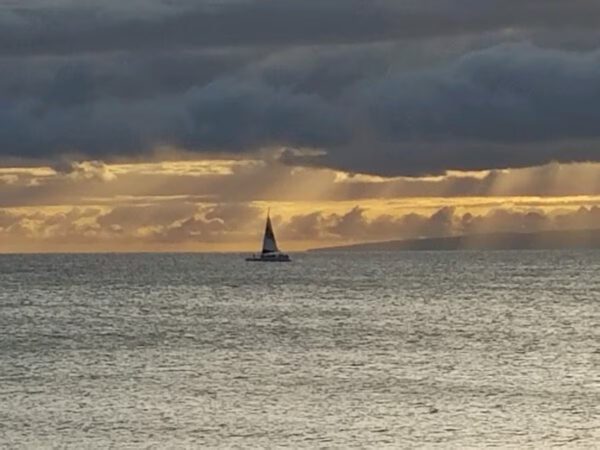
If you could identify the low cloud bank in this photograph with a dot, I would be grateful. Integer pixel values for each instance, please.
(174, 226)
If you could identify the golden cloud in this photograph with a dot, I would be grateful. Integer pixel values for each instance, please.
(220, 204)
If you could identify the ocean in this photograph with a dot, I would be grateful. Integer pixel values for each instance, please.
(380, 350)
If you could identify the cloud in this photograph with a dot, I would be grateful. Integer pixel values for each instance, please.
(131, 218)
(92, 183)
(27, 229)
(505, 106)
(224, 223)
(87, 170)
(71, 27)
(356, 226)
(238, 226)
(172, 225)
(384, 87)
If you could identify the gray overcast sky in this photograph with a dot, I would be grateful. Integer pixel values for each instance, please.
(384, 87)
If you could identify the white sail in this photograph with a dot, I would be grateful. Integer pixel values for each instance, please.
(269, 242)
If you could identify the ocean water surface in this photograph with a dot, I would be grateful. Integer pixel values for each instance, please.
(447, 350)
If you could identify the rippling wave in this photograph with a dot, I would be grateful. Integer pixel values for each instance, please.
(454, 349)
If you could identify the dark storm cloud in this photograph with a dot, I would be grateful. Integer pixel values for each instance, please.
(71, 28)
(123, 79)
(74, 29)
(125, 76)
(505, 106)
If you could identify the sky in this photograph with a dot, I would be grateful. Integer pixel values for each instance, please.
(173, 125)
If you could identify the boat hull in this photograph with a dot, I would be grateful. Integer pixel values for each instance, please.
(279, 257)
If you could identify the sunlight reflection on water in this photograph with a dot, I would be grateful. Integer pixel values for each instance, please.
(459, 349)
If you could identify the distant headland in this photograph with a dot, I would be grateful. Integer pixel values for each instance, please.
(542, 240)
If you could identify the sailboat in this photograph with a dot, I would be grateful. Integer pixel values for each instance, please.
(270, 251)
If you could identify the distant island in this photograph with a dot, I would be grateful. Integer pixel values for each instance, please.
(543, 240)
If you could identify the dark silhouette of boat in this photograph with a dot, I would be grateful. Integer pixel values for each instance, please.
(270, 251)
